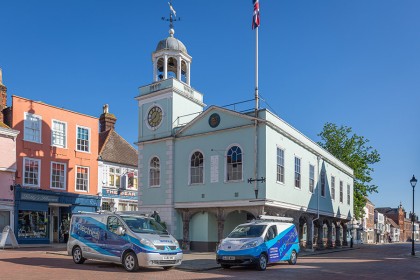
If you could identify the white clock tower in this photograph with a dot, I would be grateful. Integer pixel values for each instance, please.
(164, 105)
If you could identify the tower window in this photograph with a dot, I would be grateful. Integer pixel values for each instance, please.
(154, 172)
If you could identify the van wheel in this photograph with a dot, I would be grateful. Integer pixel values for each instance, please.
(293, 258)
(130, 262)
(225, 266)
(77, 255)
(262, 262)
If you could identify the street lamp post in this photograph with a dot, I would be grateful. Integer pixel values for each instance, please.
(413, 182)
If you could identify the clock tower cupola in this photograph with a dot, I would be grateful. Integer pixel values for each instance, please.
(170, 101)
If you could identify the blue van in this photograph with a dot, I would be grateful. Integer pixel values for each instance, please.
(266, 240)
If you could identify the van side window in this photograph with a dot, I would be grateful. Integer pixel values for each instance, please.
(113, 223)
(271, 233)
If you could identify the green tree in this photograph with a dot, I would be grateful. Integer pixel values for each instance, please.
(354, 151)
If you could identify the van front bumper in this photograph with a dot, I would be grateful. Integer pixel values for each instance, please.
(159, 259)
(236, 260)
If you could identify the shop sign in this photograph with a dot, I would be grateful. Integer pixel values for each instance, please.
(118, 193)
(38, 197)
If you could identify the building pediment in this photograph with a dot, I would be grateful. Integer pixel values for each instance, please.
(215, 119)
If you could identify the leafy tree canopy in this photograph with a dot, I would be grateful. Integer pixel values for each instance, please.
(354, 151)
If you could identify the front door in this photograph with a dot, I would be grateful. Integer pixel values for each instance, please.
(54, 224)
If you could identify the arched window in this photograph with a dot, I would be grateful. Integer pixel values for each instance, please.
(172, 67)
(197, 168)
(183, 71)
(160, 69)
(234, 164)
(154, 172)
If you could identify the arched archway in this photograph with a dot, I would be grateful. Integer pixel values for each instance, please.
(203, 231)
(235, 218)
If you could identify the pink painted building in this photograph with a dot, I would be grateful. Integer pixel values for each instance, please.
(7, 165)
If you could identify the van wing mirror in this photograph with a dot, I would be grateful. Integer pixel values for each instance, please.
(120, 230)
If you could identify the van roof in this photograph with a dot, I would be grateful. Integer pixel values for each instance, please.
(107, 213)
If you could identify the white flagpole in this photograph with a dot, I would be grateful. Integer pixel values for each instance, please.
(256, 70)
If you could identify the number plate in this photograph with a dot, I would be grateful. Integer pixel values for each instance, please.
(168, 258)
(228, 258)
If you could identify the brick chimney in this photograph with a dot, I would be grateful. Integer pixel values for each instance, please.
(3, 97)
(106, 120)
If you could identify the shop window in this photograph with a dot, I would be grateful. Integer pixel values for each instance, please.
(106, 206)
(122, 207)
(4, 219)
(32, 224)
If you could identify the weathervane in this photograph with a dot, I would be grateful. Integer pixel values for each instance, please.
(172, 15)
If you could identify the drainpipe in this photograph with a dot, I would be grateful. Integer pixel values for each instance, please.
(317, 201)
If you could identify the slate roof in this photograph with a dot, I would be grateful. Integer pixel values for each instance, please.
(114, 148)
(391, 221)
(387, 210)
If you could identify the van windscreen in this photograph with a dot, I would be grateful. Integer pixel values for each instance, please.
(247, 231)
(140, 224)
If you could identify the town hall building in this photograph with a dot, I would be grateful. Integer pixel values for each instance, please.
(206, 169)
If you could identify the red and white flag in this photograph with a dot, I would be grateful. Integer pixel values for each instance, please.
(256, 14)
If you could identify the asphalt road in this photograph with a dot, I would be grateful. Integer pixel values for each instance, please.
(388, 261)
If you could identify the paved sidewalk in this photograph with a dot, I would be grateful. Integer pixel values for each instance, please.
(192, 261)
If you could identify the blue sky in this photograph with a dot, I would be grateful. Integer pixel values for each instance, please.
(353, 63)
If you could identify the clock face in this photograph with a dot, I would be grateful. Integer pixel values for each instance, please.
(214, 120)
(154, 117)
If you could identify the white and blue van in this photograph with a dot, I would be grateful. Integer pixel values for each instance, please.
(266, 240)
(129, 239)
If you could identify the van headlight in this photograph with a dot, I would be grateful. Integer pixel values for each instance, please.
(176, 243)
(251, 244)
(219, 246)
(147, 242)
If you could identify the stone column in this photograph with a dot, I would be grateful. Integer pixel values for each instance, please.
(337, 236)
(188, 73)
(320, 242)
(345, 243)
(178, 69)
(329, 236)
(165, 67)
(185, 230)
(155, 78)
(220, 223)
(309, 233)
